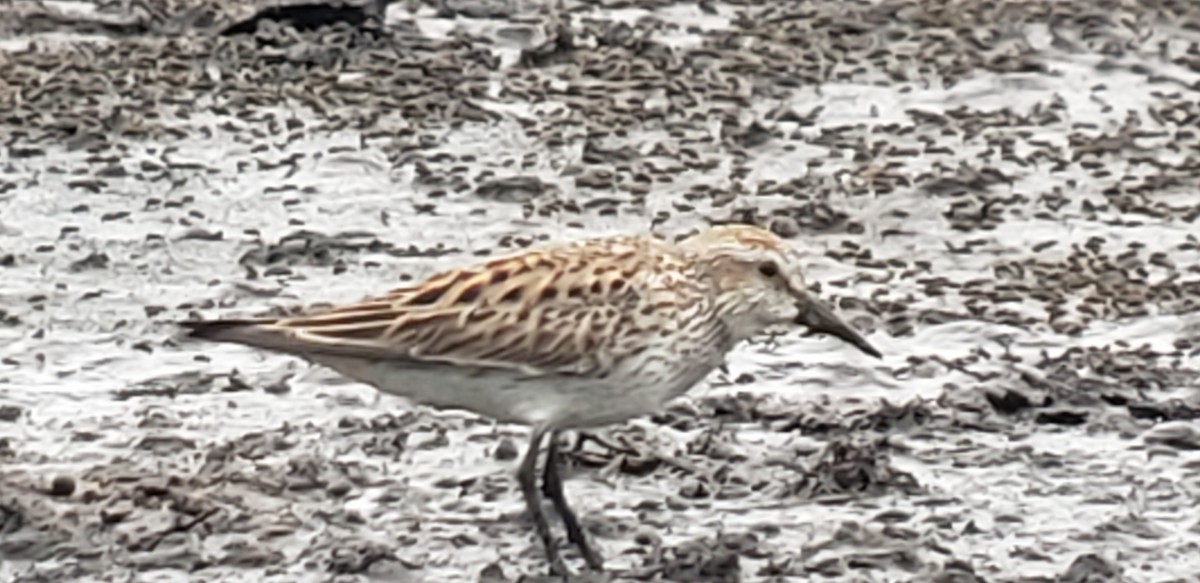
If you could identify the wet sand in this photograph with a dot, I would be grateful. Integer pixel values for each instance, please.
(1003, 196)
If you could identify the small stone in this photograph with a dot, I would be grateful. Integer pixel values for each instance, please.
(62, 486)
(507, 450)
(492, 573)
(647, 537)
(693, 489)
(10, 413)
(785, 227)
(339, 489)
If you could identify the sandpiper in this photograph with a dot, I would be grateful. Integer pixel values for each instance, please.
(566, 336)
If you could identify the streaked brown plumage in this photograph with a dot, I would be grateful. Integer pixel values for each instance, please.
(567, 336)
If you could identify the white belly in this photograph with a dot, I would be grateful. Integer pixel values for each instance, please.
(557, 401)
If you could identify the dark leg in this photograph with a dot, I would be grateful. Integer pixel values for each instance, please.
(554, 489)
(527, 476)
(552, 452)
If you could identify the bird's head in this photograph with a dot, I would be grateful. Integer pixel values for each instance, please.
(761, 286)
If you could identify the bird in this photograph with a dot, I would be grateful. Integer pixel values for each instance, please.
(565, 336)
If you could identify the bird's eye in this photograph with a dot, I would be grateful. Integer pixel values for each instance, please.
(769, 269)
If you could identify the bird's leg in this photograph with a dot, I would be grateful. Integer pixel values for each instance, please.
(552, 458)
(527, 476)
(552, 481)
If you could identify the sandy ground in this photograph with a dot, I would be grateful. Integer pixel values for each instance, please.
(1003, 195)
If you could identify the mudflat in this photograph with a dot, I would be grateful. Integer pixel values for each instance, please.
(1001, 196)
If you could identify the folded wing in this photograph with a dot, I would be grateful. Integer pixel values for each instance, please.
(556, 311)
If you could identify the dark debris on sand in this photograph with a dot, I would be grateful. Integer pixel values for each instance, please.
(1002, 193)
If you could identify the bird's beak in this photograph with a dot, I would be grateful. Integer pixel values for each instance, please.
(819, 319)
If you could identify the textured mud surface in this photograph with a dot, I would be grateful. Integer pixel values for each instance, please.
(1003, 195)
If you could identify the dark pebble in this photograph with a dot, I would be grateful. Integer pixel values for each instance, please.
(507, 450)
(10, 413)
(62, 486)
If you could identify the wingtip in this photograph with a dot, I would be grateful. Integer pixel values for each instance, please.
(214, 329)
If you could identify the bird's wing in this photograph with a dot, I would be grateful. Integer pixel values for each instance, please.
(553, 311)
